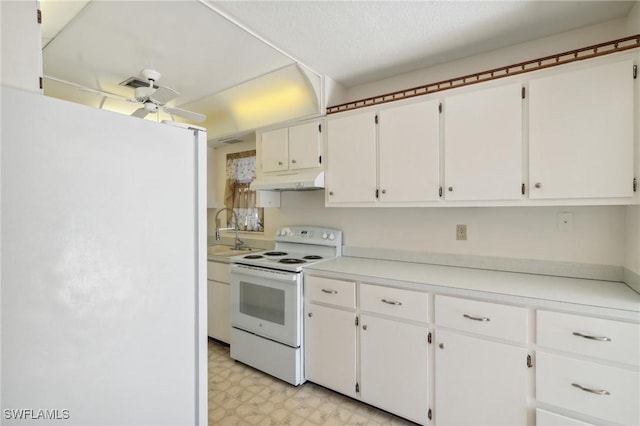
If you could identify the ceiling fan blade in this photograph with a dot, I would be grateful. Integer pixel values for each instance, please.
(163, 94)
(189, 115)
(140, 112)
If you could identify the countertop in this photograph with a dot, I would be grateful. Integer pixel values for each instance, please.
(607, 299)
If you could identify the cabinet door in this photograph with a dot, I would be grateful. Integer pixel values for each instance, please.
(274, 152)
(479, 382)
(219, 311)
(304, 146)
(330, 348)
(483, 144)
(351, 166)
(393, 367)
(409, 153)
(581, 133)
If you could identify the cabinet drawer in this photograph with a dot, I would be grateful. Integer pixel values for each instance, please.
(406, 304)
(547, 418)
(334, 292)
(217, 271)
(599, 338)
(597, 390)
(490, 319)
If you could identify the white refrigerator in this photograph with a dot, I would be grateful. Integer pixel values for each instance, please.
(103, 249)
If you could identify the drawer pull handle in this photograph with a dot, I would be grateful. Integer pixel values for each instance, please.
(483, 319)
(324, 290)
(391, 302)
(596, 391)
(598, 338)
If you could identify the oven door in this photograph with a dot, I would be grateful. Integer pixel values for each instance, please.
(267, 302)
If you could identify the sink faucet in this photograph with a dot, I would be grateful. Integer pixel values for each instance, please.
(238, 241)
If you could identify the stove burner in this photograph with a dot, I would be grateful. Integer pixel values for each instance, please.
(254, 256)
(275, 253)
(312, 257)
(290, 261)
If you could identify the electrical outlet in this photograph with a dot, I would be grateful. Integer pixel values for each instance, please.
(461, 232)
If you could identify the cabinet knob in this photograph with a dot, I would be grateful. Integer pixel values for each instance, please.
(364, 327)
(279, 163)
(330, 192)
(384, 191)
(310, 314)
(441, 345)
(450, 189)
(538, 185)
(293, 161)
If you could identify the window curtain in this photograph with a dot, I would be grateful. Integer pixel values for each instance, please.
(241, 170)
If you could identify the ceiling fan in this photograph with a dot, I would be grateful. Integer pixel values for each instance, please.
(154, 97)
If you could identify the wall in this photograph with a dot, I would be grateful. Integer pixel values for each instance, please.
(602, 235)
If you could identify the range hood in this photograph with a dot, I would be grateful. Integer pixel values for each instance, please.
(302, 180)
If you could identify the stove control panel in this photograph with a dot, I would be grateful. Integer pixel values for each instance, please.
(309, 235)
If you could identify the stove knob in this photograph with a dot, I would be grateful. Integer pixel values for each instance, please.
(332, 237)
(324, 235)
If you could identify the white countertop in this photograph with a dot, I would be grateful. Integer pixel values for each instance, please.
(604, 298)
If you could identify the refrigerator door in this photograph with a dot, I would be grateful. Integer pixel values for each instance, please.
(103, 267)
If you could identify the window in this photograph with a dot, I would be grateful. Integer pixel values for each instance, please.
(241, 170)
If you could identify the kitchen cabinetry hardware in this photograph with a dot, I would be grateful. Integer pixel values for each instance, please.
(482, 319)
(376, 119)
(440, 108)
(635, 72)
(523, 189)
(357, 388)
(529, 361)
(596, 391)
(279, 163)
(364, 327)
(324, 290)
(384, 191)
(440, 192)
(429, 339)
(524, 93)
(450, 189)
(41, 82)
(538, 185)
(293, 161)
(429, 414)
(330, 192)
(310, 314)
(441, 345)
(377, 193)
(39, 18)
(357, 321)
(319, 128)
(586, 336)
(635, 184)
(320, 159)
(391, 302)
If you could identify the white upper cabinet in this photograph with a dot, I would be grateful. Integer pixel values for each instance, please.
(483, 144)
(275, 150)
(409, 153)
(305, 146)
(581, 133)
(387, 156)
(291, 148)
(351, 165)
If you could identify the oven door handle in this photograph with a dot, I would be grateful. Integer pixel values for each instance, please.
(256, 271)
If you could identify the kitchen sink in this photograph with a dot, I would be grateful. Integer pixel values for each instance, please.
(227, 251)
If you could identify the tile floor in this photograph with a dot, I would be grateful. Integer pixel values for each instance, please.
(241, 395)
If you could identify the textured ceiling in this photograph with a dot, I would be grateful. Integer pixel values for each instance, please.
(355, 42)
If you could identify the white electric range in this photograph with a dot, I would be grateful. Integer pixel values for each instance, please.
(266, 299)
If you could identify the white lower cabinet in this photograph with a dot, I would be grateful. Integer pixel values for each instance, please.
(393, 367)
(547, 418)
(479, 382)
(375, 351)
(218, 301)
(330, 348)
